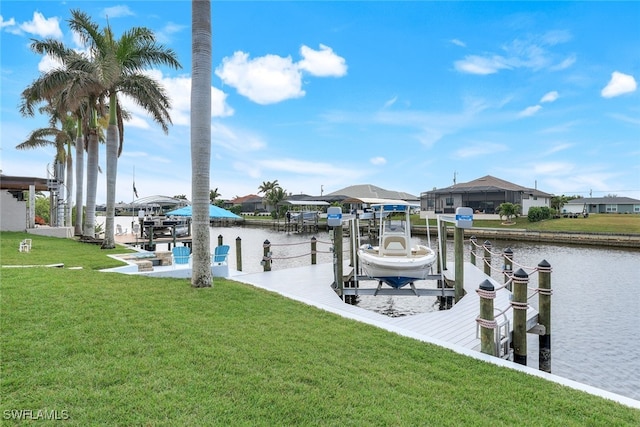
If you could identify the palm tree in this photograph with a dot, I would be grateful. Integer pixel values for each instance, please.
(74, 88)
(508, 210)
(274, 197)
(201, 46)
(213, 195)
(62, 139)
(118, 66)
(267, 186)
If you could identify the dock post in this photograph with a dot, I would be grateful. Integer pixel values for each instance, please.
(443, 242)
(507, 267)
(544, 316)
(238, 253)
(220, 240)
(486, 321)
(266, 255)
(520, 305)
(313, 250)
(472, 252)
(487, 257)
(337, 253)
(458, 249)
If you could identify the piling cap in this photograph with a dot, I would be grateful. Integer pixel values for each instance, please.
(520, 273)
(544, 264)
(487, 286)
(508, 251)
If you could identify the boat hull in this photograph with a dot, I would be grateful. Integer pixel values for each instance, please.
(396, 271)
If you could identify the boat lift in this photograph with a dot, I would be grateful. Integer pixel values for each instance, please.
(349, 285)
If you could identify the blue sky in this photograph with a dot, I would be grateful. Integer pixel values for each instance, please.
(402, 95)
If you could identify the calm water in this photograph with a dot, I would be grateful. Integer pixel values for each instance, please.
(595, 302)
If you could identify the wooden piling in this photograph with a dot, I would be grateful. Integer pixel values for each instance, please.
(520, 305)
(313, 250)
(544, 316)
(507, 267)
(458, 249)
(487, 257)
(238, 253)
(266, 255)
(337, 253)
(486, 320)
(472, 251)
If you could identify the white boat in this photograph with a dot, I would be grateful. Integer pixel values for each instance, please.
(395, 261)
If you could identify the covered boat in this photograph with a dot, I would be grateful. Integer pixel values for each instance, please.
(395, 261)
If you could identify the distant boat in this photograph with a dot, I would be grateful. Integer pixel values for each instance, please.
(395, 261)
(166, 227)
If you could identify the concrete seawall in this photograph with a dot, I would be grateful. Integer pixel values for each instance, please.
(563, 237)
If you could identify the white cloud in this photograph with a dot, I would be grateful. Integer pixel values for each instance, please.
(619, 85)
(117, 11)
(390, 102)
(564, 64)
(179, 91)
(42, 27)
(530, 52)
(10, 23)
(530, 111)
(550, 96)
(479, 149)
(265, 80)
(474, 64)
(323, 62)
(378, 160)
(271, 78)
(164, 35)
(458, 43)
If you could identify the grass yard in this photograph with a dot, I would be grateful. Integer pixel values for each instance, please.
(111, 349)
(594, 223)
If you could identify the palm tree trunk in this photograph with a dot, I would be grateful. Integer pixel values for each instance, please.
(112, 170)
(92, 185)
(79, 179)
(201, 139)
(69, 200)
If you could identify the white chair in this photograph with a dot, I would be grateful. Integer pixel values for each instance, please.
(180, 255)
(219, 266)
(120, 231)
(25, 245)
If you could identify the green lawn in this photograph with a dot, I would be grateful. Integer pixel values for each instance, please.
(594, 223)
(111, 349)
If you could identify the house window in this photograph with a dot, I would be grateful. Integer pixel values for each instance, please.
(636, 208)
(611, 208)
(449, 201)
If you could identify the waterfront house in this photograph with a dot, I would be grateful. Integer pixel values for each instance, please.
(611, 204)
(483, 195)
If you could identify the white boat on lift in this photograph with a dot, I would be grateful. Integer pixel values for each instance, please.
(395, 261)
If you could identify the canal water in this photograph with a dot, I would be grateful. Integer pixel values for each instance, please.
(595, 317)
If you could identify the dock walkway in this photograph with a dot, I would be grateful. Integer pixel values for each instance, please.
(456, 326)
(454, 329)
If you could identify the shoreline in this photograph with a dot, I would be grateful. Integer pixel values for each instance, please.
(628, 241)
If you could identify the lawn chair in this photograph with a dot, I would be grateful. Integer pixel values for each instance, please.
(119, 231)
(219, 266)
(181, 255)
(25, 245)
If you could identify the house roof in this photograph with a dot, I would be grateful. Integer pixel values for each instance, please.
(604, 201)
(369, 191)
(22, 183)
(488, 183)
(249, 198)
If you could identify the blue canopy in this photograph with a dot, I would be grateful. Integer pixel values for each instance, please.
(214, 212)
